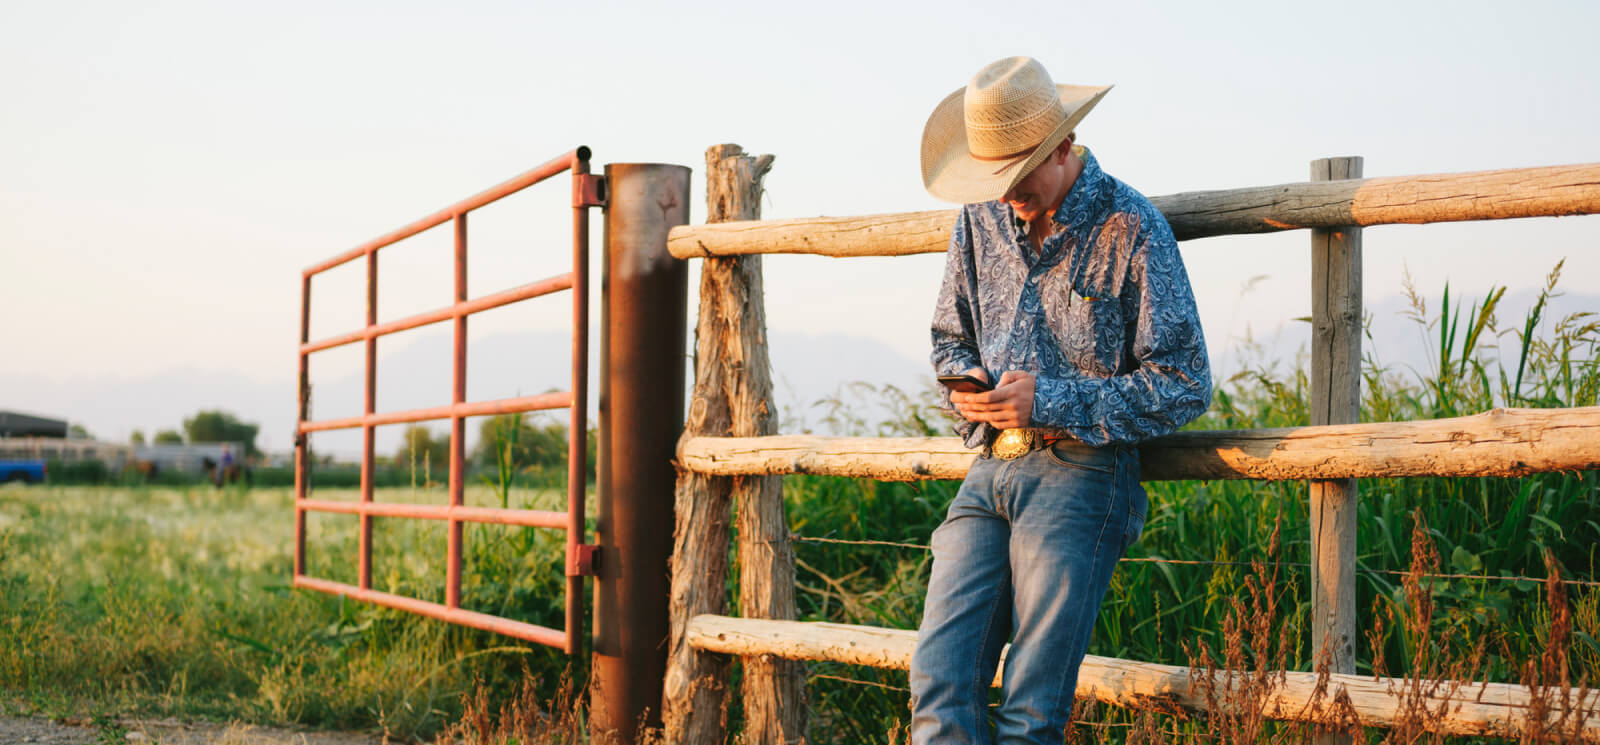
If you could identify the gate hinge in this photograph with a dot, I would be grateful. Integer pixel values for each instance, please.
(588, 190)
(582, 560)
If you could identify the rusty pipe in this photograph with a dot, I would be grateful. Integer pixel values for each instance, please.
(643, 333)
(492, 194)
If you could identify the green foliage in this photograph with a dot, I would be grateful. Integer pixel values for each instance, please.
(136, 438)
(220, 426)
(530, 451)
(81, 472)
(168, 437)
(78, 432)
(521, 439)
(333, 477)
(426, 455)
(1554, 368)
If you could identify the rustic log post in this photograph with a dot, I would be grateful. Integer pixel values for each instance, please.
(1335, 399)
(729, 344)
(772, 689)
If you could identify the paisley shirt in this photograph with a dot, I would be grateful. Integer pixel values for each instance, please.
(1102, 315)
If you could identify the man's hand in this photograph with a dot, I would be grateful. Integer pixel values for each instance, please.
(1010, 404)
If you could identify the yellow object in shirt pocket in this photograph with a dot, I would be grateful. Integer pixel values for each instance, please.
(1087, 328)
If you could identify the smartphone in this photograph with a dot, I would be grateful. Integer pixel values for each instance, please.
(965, 383)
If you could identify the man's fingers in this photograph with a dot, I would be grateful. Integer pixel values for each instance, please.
(994, 397)
(999, 416)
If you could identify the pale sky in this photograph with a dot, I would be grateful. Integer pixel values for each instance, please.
(168, 168)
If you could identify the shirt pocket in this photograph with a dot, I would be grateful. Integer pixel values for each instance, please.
(1087, 327)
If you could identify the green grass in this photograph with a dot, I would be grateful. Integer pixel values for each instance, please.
(176, 602)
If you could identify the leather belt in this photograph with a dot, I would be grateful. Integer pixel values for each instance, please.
(1016, 442)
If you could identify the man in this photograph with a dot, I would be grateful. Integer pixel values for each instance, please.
(1064, 286)
(222, 468)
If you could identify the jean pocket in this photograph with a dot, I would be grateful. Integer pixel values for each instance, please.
(1131, 535)
(1072, 455)
(1138, 505)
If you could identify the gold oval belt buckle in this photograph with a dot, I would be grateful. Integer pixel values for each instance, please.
(1014, 443)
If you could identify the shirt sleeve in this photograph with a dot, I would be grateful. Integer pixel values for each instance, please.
(1170, 384)
(955, 331)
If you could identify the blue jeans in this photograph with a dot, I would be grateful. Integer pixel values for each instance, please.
(1026, 551)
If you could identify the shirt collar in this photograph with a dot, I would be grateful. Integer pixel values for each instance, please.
(1089, 198)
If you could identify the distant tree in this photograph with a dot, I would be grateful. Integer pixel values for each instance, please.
(522, 441)
(221, 426)
(137, 438)
(419, 447)
(77, 432)
(168, 437)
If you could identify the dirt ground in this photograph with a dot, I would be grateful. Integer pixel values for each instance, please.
(39, 731)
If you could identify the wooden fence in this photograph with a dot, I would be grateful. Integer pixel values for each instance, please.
(730, 452)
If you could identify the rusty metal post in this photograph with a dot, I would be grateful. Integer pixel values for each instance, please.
(368, 431)
(302, 443)
(578, 411)
(458, 424)
(643, 329)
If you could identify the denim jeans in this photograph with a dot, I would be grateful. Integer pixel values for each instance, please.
(1026, 551)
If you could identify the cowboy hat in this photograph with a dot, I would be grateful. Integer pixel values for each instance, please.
(983, 139)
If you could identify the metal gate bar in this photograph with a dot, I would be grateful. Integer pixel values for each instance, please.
(587, 191)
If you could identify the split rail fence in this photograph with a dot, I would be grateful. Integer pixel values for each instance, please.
(731, 453)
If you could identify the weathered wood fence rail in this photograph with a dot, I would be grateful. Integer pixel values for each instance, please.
(1484, 195)
(730, 452)
(1503, 442)
(1495, 709)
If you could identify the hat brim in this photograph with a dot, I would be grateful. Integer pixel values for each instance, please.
(951, 173)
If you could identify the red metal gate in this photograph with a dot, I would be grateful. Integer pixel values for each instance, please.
(587, 191)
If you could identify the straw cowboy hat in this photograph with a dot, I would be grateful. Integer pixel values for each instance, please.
(984, 138)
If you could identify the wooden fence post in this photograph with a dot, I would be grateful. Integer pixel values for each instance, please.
(1335, 399)
(773, 688)
(732, 397)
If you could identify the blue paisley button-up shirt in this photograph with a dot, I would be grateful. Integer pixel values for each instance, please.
(1103, 315)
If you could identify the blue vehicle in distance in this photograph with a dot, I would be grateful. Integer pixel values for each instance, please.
(25, 471)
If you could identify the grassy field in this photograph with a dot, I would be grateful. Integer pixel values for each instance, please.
(175, 601)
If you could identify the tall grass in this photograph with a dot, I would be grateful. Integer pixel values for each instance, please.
(176, 602)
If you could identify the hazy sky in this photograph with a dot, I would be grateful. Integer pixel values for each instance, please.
(168, 168)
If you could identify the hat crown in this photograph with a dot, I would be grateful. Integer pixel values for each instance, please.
(1010, 106)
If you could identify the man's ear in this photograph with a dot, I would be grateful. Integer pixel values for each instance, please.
(1065, 148)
